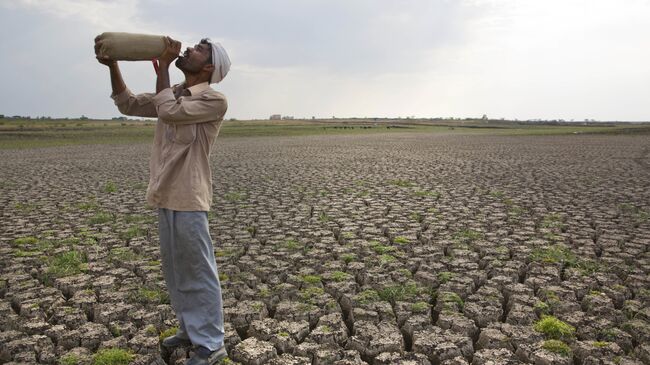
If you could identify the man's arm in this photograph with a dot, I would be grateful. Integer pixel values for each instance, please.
(129, 104)
(209, 107)
(164, 61)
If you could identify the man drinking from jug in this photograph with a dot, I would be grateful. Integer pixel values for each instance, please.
(180, 185)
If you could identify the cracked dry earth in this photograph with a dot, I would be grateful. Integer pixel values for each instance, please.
(370, 249)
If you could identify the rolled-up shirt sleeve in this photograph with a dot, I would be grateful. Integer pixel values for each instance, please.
(139, 105)
(205, 107)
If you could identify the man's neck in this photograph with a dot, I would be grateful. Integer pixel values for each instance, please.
(191, 80)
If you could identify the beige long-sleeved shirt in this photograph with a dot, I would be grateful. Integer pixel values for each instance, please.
(180, 176)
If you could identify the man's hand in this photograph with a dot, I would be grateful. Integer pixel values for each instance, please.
(104, 60)
(171, 52)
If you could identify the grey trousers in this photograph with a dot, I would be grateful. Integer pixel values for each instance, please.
(190, 272)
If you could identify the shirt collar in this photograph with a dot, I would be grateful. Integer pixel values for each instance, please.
(198, 88)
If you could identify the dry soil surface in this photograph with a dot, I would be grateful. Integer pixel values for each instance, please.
(366, 249)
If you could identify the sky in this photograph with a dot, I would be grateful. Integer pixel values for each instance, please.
(513, 59)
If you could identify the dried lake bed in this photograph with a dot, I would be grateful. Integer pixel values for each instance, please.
(406, 248)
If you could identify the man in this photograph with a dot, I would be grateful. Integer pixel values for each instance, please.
(180, 186)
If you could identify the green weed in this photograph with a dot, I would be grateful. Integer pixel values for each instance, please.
(109, 187)
(113, 356)
(557, 347)
(554, 328)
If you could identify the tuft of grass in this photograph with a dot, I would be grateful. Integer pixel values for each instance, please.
(310, 279)
(101, 218)
(600, 344)
(292, 245)
(401, 292)
(310, 294)
(553, 220)
(560, 254)
(340, 276)
(386, 258)
(70, 359)
(419, 307)
(445, 276)
(234, 196)
(557, 347)
(109, 187)
(348, 257)
(112, 356)
(29, 240)
(133, 232)
(497, 194)
(323, 217)
(451, 297)
(66, 264)
(151, 295)
(401, 183)
(467, 236)
(367, 296)
(554, 328)
(122, 254)
(401, 240)
(382, 249)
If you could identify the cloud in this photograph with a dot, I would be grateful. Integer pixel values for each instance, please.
(121, 14)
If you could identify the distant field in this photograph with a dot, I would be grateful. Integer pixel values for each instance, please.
(20, 134)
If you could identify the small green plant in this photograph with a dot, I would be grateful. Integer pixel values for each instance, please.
(113, 356)
(553, 220)
(26, 207)
(25, 241)
(400, 292)
(367, 296)
(557, 347)
(542, 307)
(109, 187)
(445, 276)
(66, 264)
(167, 333)
(467, 236)
(323, 217)
(497, 194)
(149, 295)
(310, 279)
(419, 307)
(292, 245)
(415, 217)
(451, 297)
(554, 328)
(386, 258)
(600, 344)
(101, 218)
(348, 257)
(401, 183)
(310, 294)
(382, 249)
(401, 240)
(340, 276)
(283, 334)
(348, 235)
(70, 359)
(234, 196)
(122, 254)
(223, 276)
(132, 233)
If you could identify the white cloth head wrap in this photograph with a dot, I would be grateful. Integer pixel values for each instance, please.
(221, 62)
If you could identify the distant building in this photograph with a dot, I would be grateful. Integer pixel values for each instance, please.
(275, 117)
(287, 117)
